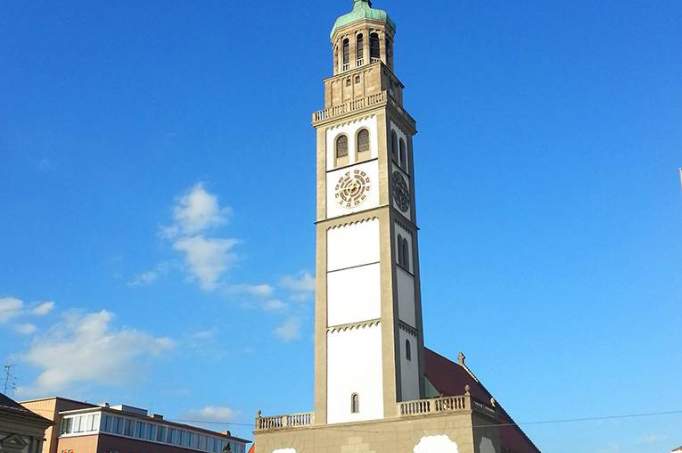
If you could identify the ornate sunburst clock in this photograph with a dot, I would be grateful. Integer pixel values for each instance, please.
(352, 188)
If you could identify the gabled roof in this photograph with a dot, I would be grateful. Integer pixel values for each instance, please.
(450, 379)
(9, 406)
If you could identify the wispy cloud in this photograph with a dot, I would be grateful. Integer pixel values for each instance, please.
(26, 328)
(86, 348)
(10, 307)
(151, 276)
(289, 330)
(13, 307)
(301, 286)
(214, 414)
(43, 308)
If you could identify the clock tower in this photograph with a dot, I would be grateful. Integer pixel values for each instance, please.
(368, 324)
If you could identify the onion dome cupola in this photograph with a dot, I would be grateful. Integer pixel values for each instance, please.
(363, 36)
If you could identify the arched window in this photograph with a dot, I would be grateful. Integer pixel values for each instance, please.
(341, 146)
(354, 403)
(363, 141)
(405, 251)
(360, 50)
(346, 54)
(408, 350)
(394, 145)
(374, 47)
(403, 154)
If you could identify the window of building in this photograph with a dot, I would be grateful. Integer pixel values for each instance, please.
(128, 431)
(346, 53)
(106, 423)
(408, 350)
(341, 146)
(363, 141)
(402, 160)
(357, 79)
(406, 254)
(354, 403)
(161, 434)
(359, 50)
(394, 145)
(118, 425)
(67, 426)
(374, 47)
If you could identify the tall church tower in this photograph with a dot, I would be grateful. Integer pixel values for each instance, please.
(368, 322)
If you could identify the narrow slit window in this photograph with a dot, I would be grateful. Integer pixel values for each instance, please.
(394, 145)
(408, 350)
(354, 403)
(403, 154)
(400, 249)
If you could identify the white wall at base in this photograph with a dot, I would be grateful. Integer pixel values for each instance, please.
(354, 365)
(436, 444)
(354, 294)
(354, 244)
(284, 450)
(486, 446)
(371, 169)
(406, 297)
(409, 369)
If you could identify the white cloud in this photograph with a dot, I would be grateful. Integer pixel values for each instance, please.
(26, 328)
(212, 414)
(149, 277)
(10, 307)
(259, 290)
(207, 259)
(301, 285)
(86, 349)
(274, 305)
(196, 211)
(43, 308)
(289, 330)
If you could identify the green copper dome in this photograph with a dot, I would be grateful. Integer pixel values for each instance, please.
(362, 10)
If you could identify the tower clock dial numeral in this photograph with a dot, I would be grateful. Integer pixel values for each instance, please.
(352, 189)
(401, 193)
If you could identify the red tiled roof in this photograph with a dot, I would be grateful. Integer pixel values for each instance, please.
(252, 449)
(450, 378)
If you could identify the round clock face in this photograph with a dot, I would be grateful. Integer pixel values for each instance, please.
(401, 193)
(352, 188)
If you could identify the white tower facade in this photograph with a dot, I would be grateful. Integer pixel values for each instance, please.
(368, 328)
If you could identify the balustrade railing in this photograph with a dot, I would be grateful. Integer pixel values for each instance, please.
(434, 405)
(350, 106)
(359, 62)
(283, 421)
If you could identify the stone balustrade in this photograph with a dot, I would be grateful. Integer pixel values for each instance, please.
(283, 421)
(350, 106)
(434, 405)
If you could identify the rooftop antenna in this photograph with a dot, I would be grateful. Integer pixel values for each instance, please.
(9, 380)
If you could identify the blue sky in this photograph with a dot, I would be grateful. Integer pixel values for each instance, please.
(158, 202)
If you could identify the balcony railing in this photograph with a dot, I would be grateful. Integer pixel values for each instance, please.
(350, 106)
(434, 406)
(345, 66)
(359, 62)
(283, 421)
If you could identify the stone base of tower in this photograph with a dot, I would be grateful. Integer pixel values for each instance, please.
(443, 425)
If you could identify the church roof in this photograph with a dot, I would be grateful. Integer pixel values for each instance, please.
(9, 406)
(450, 379)
(362, 10)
